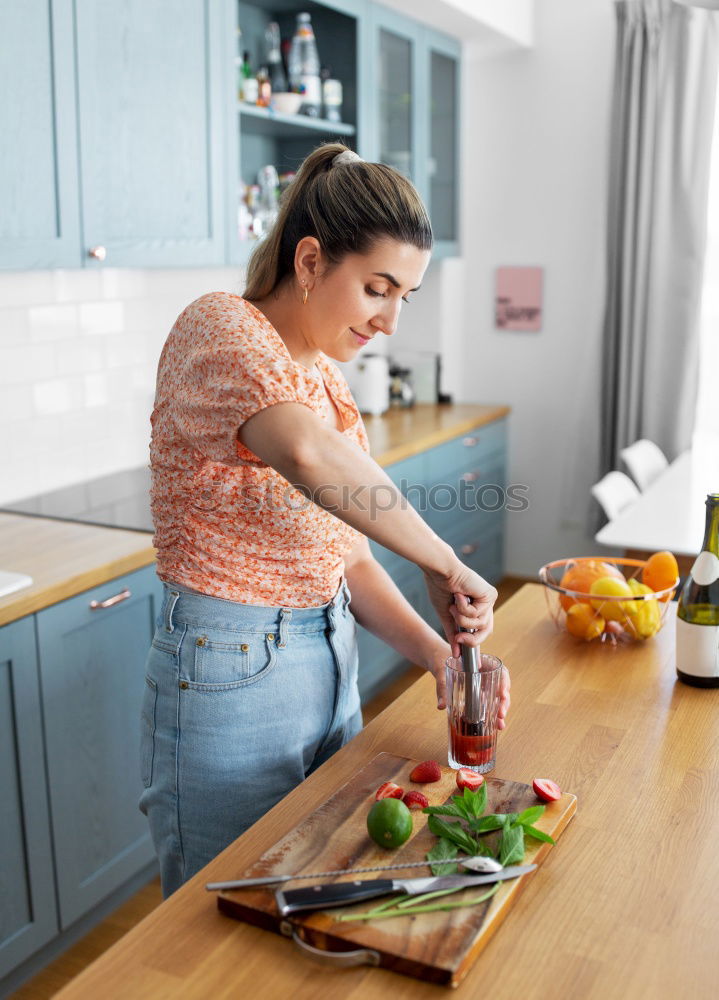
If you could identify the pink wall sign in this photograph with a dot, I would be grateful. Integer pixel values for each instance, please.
(518, 304)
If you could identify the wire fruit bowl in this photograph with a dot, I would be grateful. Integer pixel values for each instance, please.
(612, 619)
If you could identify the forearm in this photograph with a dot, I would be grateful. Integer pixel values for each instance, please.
(339, 476)
(380, 607)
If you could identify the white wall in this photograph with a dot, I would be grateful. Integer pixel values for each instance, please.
(534, 193)
(78, 356)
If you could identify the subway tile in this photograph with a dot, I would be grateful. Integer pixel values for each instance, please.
(13, 326)
(54, 322)
(27, 288)
(78, 285)
(101, 317)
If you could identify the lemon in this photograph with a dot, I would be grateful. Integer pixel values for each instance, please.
(584, 622)
(389, 823)
(608, 586)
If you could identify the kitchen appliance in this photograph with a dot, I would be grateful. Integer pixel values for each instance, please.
(438, 947)
(368, 379)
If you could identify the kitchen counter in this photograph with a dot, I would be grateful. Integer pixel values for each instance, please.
(622, 907)
(65, 558)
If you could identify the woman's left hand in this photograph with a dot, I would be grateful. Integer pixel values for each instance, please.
(435, 662)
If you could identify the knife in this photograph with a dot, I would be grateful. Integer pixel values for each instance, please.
(478, 862)
(328, 895)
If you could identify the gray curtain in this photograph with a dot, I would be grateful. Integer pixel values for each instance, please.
(661, 128)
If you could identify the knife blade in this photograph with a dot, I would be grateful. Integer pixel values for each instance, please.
(478, 862)
(331, 894)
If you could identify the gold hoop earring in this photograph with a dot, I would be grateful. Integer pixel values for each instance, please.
(305, 294)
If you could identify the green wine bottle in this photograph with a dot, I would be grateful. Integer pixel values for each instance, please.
(698, 611)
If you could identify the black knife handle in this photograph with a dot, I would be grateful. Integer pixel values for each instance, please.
(322, 897)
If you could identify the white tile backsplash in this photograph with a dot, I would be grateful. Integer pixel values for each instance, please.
(78, 358)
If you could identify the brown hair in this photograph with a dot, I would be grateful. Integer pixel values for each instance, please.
(347, 206)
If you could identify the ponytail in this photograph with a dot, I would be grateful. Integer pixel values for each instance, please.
(347, 204)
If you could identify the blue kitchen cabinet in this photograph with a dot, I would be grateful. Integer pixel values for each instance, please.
(412, 89)
(474, 528)
(152, 85)
(28, 915)
(92, 651)
(39, 211)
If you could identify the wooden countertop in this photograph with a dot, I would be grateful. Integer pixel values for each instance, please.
(399, 434)
(64, 558)
(623, 906)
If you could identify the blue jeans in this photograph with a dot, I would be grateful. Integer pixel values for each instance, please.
(241, 703)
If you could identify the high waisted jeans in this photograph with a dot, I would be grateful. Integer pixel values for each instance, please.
(241, 703)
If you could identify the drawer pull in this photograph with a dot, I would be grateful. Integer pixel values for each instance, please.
(471, 477)
(117, 599)
(470, 442)
(468, 550)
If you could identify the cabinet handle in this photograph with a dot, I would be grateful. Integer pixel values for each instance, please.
(99, 253)
(468, 550)
(470, 442)
(471, 477)
(117, 599)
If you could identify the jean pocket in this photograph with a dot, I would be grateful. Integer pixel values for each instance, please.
(148, 720)
(223, 660)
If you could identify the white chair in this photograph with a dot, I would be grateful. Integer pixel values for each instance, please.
(615, 492)
(645, 462)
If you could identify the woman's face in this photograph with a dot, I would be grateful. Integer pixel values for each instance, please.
(351, 303)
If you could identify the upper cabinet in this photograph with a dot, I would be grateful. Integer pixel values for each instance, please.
(150, 99)
(129, 146)
(39, 214)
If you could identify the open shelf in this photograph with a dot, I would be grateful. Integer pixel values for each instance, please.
(264, 121)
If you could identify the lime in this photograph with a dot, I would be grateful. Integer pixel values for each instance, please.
(389, 823)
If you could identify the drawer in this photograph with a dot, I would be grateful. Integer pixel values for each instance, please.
(473, 499)
(467, 451)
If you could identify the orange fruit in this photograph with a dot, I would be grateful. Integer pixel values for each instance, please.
(581, 576)
(660, 571)
(583, 622)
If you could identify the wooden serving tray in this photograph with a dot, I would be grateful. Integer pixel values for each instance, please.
(436, 947)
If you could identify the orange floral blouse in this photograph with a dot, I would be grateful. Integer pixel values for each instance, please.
(227, 524)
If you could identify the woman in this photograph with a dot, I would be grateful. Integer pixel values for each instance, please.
(252, 676)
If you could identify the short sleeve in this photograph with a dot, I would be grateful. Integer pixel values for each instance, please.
(229, 365)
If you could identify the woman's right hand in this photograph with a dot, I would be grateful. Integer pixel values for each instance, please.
(462, 599)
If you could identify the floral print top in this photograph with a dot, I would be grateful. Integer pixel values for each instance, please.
(227, 524)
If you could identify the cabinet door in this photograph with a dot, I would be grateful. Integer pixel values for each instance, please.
(442, 67)
(92, 661)
(39, 215)
(28, 915)
(152, 101)
(394, 90)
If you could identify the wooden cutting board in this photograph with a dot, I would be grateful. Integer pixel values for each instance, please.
(437, 947)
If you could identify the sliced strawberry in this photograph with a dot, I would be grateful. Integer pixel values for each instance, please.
(415, 800)
(467, 778)
(428, 770)
(546, 789)
(389, 791)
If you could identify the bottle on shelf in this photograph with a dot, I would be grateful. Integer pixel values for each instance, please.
(331, 96)
(304, 67)
(250, 88)
(698, 610)
(276, 71)
(264, 87)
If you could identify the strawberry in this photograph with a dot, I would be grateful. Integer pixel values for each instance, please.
(428, 770)
(415, 800)
(389, 791)
(546, 789)
(467, 778)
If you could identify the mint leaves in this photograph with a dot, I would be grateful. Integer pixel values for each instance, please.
(465, 834)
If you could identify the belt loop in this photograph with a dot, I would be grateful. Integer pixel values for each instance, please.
(285, 619)
(170, 603)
